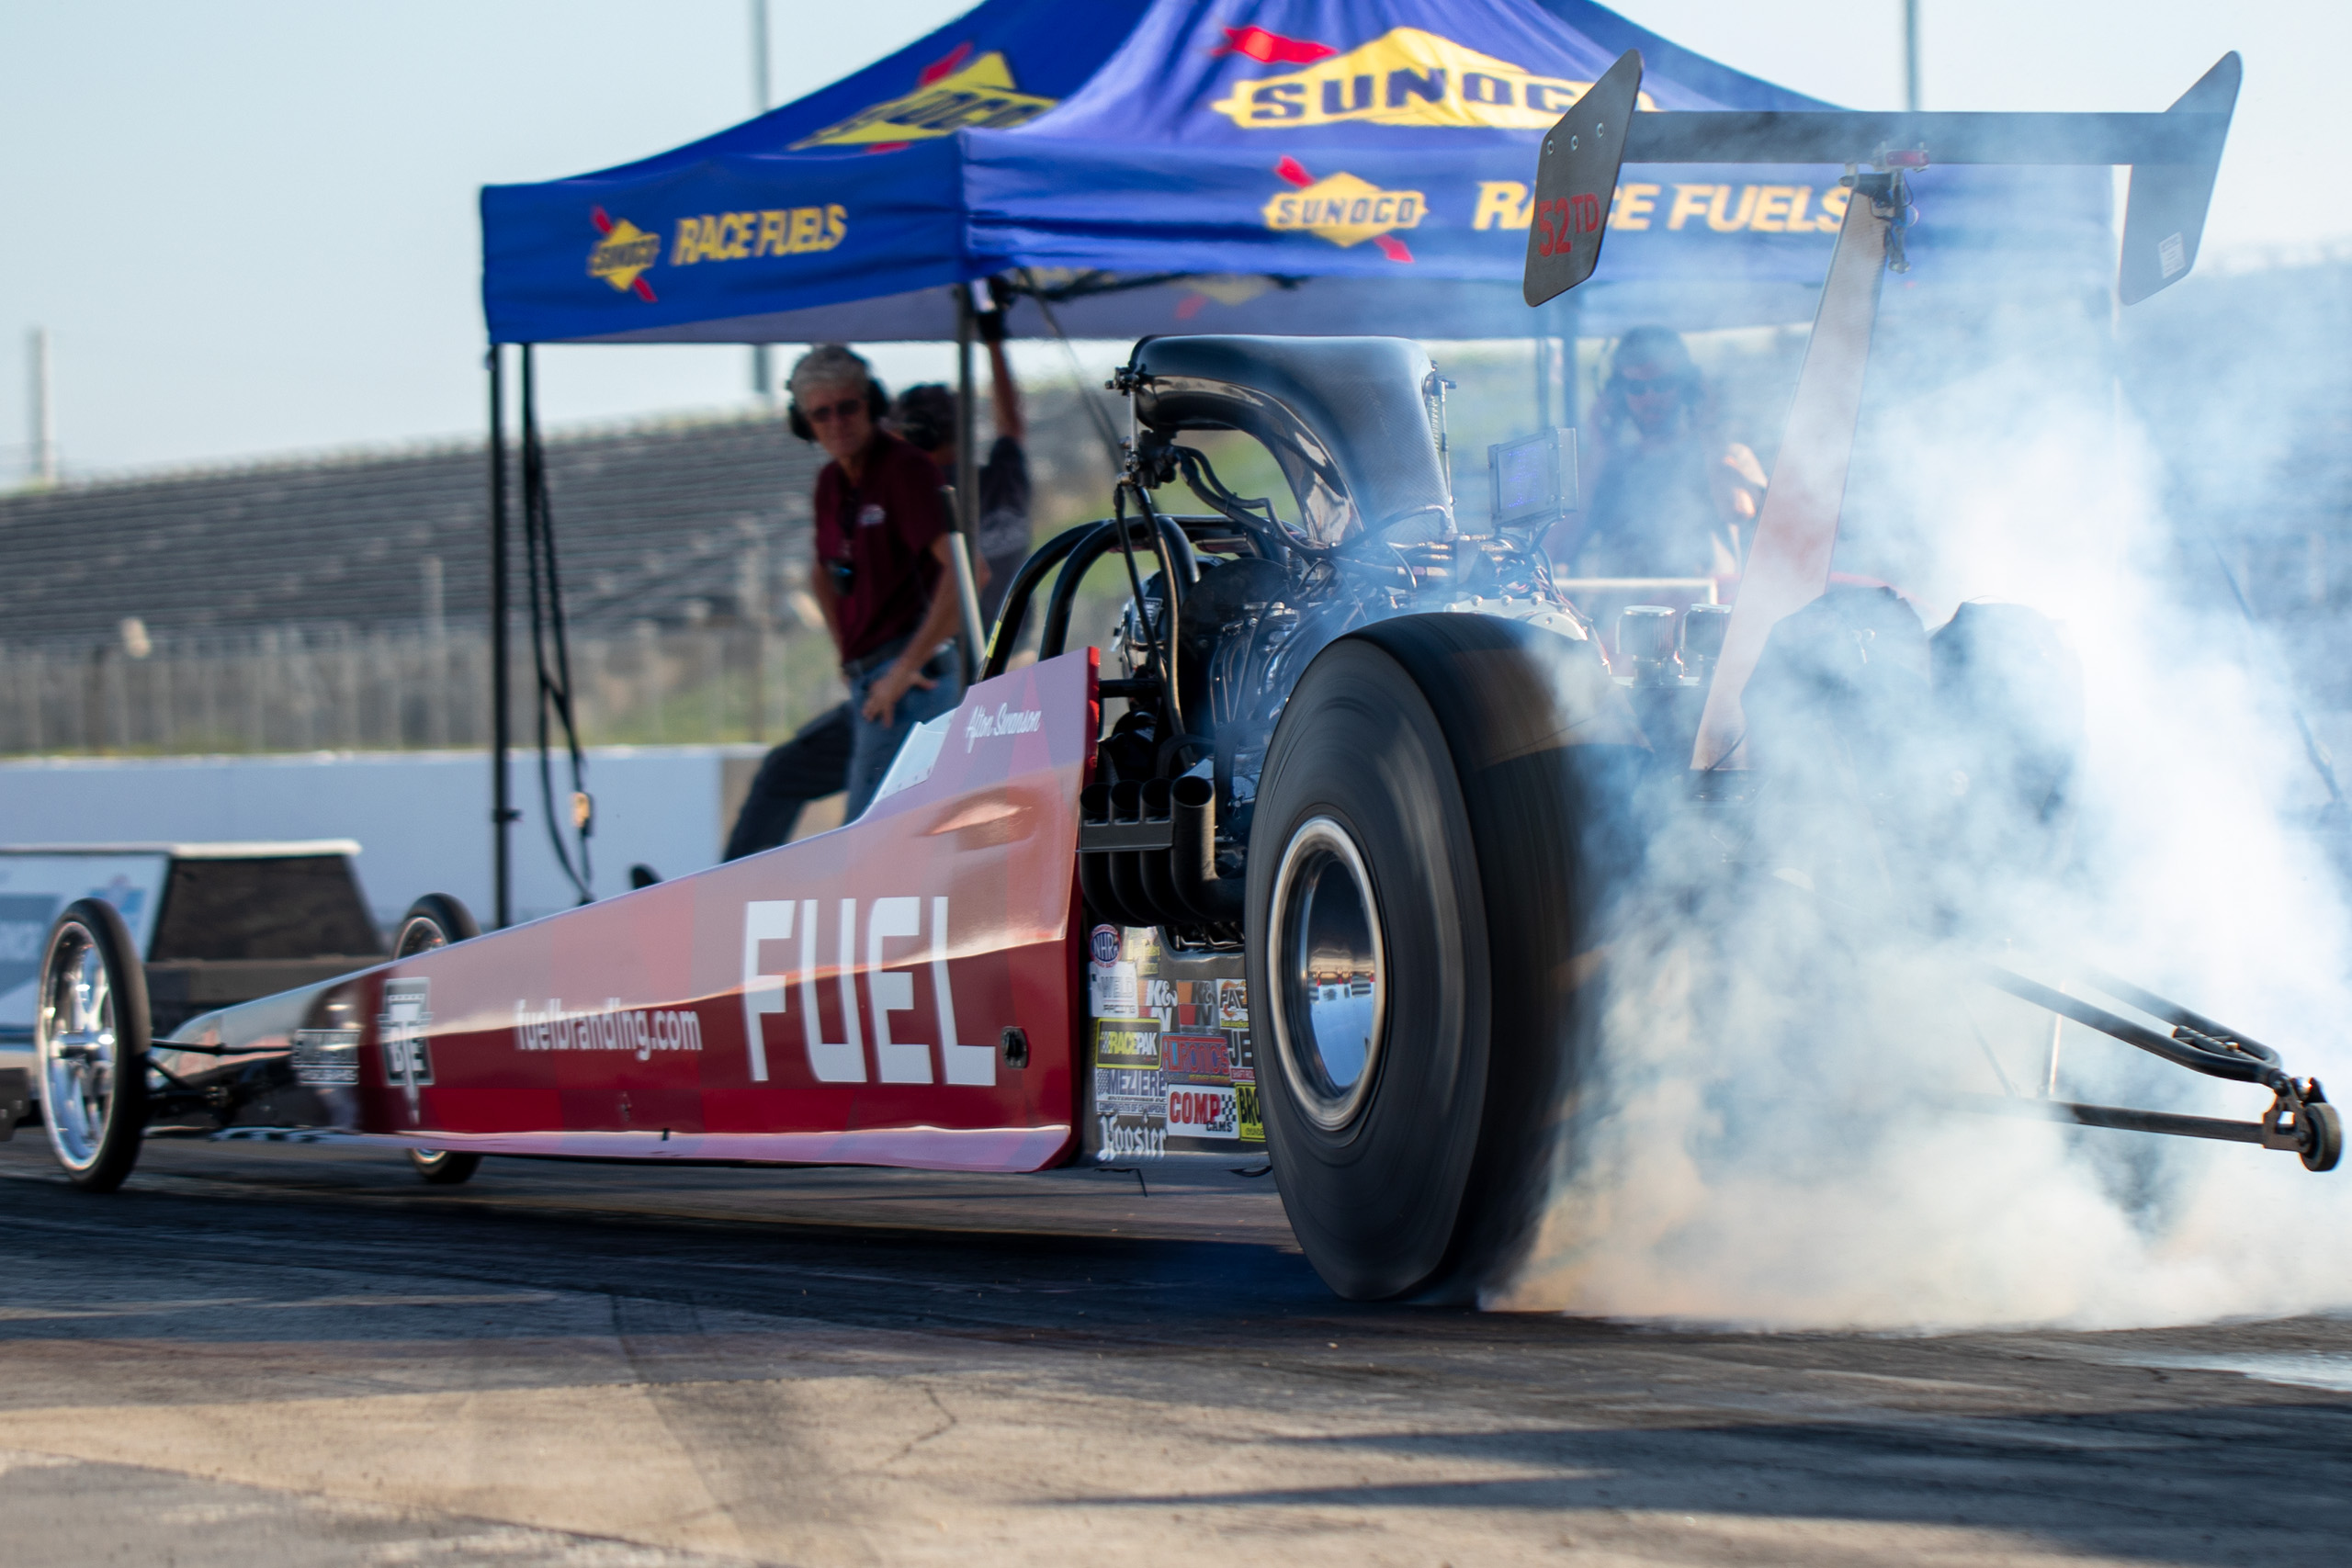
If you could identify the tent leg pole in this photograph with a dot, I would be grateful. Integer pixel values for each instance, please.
(502, 814)
(968, 476)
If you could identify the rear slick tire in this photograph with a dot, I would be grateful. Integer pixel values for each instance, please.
(90, 1041)
(1438, 826)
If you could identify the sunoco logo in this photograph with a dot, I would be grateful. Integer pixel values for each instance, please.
(1004, 721)
(1406, 76)
(624, 254)
(950, 95)
(1345, 210)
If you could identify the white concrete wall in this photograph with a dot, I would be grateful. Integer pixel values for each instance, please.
(421, 817)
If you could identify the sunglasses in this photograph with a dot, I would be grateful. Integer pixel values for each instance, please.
(827, 413)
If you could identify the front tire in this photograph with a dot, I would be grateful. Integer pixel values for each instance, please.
(444, 1167)
(436, 920)
(1436, 829)
(90, 1041)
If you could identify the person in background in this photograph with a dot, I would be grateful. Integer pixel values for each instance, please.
(811, 765)
(883, 574)
(927, 417)
(1672, 500)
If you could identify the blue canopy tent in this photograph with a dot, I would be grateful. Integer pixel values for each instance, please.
(1200, 165)
(1293, 166)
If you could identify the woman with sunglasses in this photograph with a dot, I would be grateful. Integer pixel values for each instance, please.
(883, 573)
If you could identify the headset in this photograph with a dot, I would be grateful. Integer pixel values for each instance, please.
(877, 408)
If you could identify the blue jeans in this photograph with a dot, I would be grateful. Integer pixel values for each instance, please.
(873, 747)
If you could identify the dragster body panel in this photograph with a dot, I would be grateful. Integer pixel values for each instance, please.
(841, 999)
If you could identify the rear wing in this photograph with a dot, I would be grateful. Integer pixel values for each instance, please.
(2171, 156)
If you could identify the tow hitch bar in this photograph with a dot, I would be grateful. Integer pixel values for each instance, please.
(2300, 1117)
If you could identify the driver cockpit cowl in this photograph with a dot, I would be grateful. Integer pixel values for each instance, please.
(1349, 420)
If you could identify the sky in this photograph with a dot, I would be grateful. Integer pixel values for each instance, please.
(249, 225)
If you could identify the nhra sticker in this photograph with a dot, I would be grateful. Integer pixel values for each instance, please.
(326, 1058)
(1103, 944)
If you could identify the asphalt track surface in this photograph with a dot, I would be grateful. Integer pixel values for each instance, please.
(260, 1355)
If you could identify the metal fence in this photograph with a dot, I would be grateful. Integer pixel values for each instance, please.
(292, 690)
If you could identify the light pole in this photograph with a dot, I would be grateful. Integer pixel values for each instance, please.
(41, 468)
(762, 372)
(1910, 54)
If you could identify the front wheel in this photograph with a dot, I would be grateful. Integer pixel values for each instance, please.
(444, 1167)
(436, 919)
(1430, 847)
(90, 1039)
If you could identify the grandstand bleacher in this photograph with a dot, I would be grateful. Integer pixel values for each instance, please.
(655, 523)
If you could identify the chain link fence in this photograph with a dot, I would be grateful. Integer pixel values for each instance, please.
(291, 690)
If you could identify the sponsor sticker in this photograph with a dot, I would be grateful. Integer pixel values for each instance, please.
(1406, 76)
(1127, 1042)
(1233, 1004)
(1111, 990)
(1006, 720)
(1102, 943)
(1197, 1058)
(1202, 1110)
(1345, 210)
(611, 1027)
(326, 1058)
(1719, 209)
(624, 254)
(746, 236)
(952, 93)
(1128, 1091)
(1128, 1138)
(402, 1029)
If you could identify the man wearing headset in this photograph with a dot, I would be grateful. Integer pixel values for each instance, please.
(884, 573)
(1672, 500)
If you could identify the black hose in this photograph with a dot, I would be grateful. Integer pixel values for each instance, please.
(550, 652)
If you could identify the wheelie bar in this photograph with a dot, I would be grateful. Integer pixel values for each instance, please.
(2300, 1118)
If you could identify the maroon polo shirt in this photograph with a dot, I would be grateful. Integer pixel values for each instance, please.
(883, 527)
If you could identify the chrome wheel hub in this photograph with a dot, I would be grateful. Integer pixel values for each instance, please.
(1330, 973)
(75, 1046)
